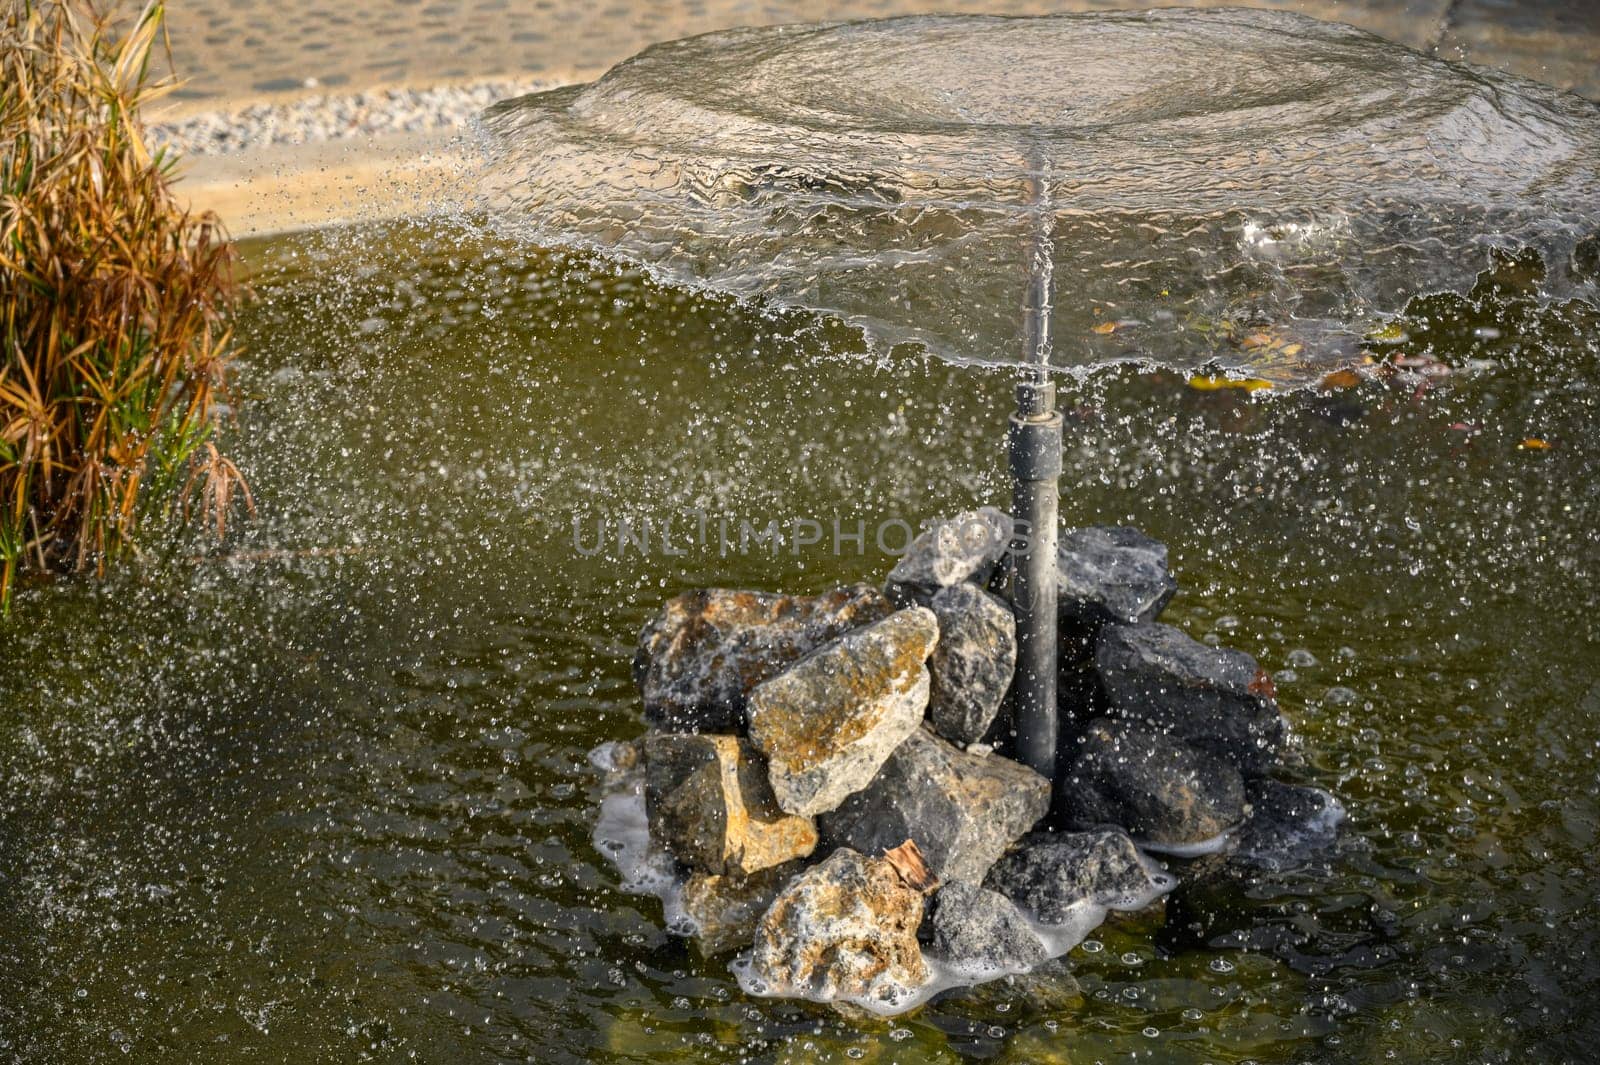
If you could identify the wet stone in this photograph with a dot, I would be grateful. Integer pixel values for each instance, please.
(1054, 874)
(979, 929)
(711, 806)
(965, 548)
(1215, 699)
(699, 658)
(846, 928)
(973, 664)
(828, 724)
(1162, 791)
(1289, 824)
(962, 810)
(1111, 574)
(1048, 991)
(727, 909)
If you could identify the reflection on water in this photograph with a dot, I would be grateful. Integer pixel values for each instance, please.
(324, 795)
(1208, 173)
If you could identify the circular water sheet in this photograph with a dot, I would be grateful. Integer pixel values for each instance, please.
(1248, 188)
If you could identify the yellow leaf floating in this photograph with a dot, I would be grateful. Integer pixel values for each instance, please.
(1216, 382)
(1533, 443)
(1106, 328)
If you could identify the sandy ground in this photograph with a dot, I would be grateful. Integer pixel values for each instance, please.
(251, 52)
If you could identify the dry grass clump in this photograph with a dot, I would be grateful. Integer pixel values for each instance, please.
(114, 300)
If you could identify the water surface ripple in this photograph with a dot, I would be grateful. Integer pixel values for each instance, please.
(1208, 173)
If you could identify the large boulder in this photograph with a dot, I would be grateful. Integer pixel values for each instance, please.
(1161, 790)
(982, 930)
(1215, 699)
(973, 664)
(1111, 574)
(965, 548)
(725, 910)
(846, 928)
(961, 810)
(827, 725)
(701, 655)
(710, 804)
(1052, 876)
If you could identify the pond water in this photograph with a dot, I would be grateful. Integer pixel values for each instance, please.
(323, 794)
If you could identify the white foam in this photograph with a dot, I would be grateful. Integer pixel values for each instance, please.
(622, 834)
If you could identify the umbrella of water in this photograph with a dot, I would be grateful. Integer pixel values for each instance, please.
(1208, 173)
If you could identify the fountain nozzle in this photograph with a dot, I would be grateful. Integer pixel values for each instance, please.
(1034, 442)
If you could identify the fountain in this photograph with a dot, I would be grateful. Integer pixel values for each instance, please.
(925, 178)
(1213, 174)
(326, 796)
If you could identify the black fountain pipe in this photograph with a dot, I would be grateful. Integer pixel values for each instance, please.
(1034, 445)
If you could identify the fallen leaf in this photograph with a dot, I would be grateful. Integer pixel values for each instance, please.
(1106, 328)
(1341, 379)
(1294, 349)
(908, 861)
(1533, 443)
(1214, 383)
(1263, 686)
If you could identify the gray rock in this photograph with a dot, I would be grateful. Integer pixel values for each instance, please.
(1288, 825)
(962, 810)
(1053, 874)
(973, 665)
(827, 725)
(1111, 574)
(976, 928)
(1215, 699)
(965, 548)
(846, 928)
(1161, 790)
(711, 806)
(703, 653)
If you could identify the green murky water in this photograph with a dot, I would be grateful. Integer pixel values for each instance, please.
(322, 795)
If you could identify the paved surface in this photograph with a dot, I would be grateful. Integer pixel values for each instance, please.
(234, 51)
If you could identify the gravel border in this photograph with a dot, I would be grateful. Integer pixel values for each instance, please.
(329, 117)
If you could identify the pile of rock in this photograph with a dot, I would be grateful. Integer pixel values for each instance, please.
(845, 726)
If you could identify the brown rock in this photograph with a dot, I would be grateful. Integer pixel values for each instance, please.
(829, 723)
(701, 655)
(710, 804)
(846, 928)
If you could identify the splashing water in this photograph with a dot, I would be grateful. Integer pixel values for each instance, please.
(1210, 174)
